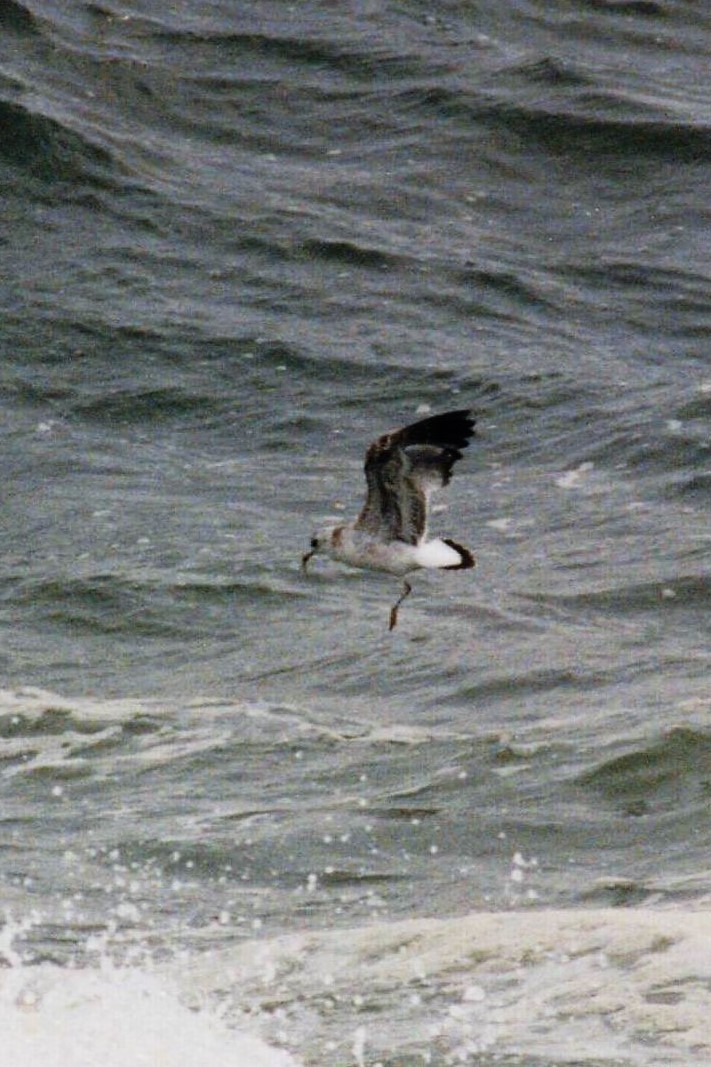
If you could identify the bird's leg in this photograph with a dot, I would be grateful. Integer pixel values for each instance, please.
(406, 590)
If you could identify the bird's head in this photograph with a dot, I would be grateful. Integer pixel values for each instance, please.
(322, 541)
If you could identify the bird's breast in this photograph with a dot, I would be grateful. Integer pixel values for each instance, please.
(352, 547)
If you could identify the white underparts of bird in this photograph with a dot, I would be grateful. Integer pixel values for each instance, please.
(402, 469)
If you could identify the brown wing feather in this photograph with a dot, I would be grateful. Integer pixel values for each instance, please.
(403, 467)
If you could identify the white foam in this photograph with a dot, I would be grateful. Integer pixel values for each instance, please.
(599, 983)
(113, 1017)
(33, 703)
(572, 479)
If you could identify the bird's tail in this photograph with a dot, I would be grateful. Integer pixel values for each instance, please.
(466, 560)
(444, 555)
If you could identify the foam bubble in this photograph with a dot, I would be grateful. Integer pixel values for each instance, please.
(118, 1017)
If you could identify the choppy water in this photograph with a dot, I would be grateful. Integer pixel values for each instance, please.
(239, 241)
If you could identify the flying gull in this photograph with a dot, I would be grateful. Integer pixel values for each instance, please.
(402, 468)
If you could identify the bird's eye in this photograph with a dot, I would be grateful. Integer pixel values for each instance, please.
(314, 542)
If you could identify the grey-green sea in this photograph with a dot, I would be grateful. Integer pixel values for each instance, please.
(241, 823)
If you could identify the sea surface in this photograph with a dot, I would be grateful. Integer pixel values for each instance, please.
(240, 822)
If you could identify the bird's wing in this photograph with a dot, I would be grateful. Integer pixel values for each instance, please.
(401, 470)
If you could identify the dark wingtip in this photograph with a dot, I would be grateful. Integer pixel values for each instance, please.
(466, 559)
(451, 427)
(451, 430)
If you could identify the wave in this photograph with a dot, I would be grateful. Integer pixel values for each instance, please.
(357, 51)
(17, 18)
(672, 772)
(681, 591)
(143, 604)
(629, 986)
(50, 150)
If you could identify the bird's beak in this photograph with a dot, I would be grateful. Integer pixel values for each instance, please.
(305, 559)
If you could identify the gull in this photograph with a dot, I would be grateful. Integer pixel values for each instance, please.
(402, 468)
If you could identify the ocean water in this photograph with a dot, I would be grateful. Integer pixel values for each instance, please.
(240, 822)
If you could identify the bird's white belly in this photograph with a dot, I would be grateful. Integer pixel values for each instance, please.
(395, 557)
